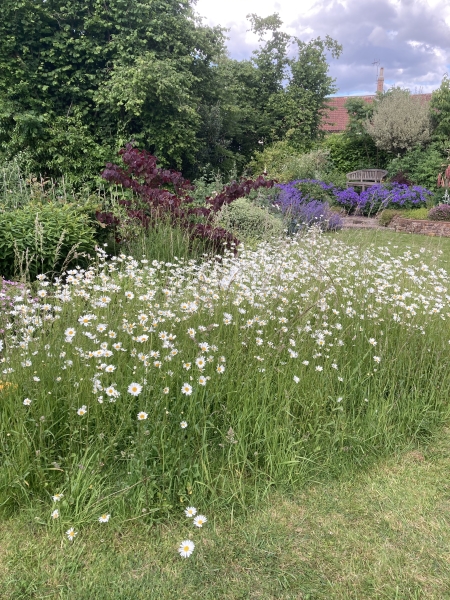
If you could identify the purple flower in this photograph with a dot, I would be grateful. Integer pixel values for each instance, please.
(379, 196)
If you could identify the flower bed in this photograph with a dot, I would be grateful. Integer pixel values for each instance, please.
(378, 197)
(369, 202)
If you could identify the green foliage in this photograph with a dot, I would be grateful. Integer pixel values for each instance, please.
(278, 94)
(42, 238)
(416, 213)
(388, 214)
(297, 107)
(358, 111)
(283, 162)
(421, 165)
(440, 111)
(350, 153)
(249, 222)
(78, 78)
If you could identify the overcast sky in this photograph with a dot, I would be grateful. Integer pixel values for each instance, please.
(409, 38)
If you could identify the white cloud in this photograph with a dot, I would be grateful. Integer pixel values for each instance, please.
(410, 38)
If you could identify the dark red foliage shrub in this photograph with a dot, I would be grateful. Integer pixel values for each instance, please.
(161, 192)
(401, 178)
(440, 213)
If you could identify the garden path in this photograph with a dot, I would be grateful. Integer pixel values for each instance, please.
(361, 223)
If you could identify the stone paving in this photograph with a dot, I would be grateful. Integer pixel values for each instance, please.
(361, 223)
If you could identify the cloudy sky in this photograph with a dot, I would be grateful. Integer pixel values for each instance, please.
(409, 38)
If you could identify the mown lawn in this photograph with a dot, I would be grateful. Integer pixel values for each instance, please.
(384, 534)
(400, 242)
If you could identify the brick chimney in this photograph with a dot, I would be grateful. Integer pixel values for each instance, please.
(380, 82)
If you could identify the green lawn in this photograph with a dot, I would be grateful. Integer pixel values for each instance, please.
(383, 534)
(400, 242)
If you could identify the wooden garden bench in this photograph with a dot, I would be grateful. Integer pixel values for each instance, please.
(365, 178)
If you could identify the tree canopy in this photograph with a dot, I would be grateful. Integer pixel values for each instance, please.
(399, 121)
(79, 78)
(440, 111)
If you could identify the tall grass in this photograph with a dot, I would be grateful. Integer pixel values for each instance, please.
(163, 241)
(288, 363)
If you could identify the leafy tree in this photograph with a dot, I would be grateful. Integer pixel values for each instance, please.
(440, 111)
(359, 111)
(77, 77)
(399, 122)
(275, 95)
(293, 89)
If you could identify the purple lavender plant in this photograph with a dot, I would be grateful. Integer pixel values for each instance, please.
(378, 197)
(316, 213)
(305, 202)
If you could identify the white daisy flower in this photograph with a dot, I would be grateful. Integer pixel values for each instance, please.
(186, 389)
(200, 520)
(134, 389)
(104, 518)
(186, 548)
(71, 533)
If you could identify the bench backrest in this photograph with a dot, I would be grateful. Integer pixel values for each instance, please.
(367, 175)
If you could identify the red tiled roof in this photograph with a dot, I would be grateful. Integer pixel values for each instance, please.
(336, 120)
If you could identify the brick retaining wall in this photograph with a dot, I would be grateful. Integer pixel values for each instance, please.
(435, 228)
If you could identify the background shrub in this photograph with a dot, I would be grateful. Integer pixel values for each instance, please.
(420, 165)
(284, 163)
(387, 215)
(44, 238)
(400, 121)
(350, 153)
(439, 213)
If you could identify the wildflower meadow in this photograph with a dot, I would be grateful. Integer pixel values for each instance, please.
(137, 389)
